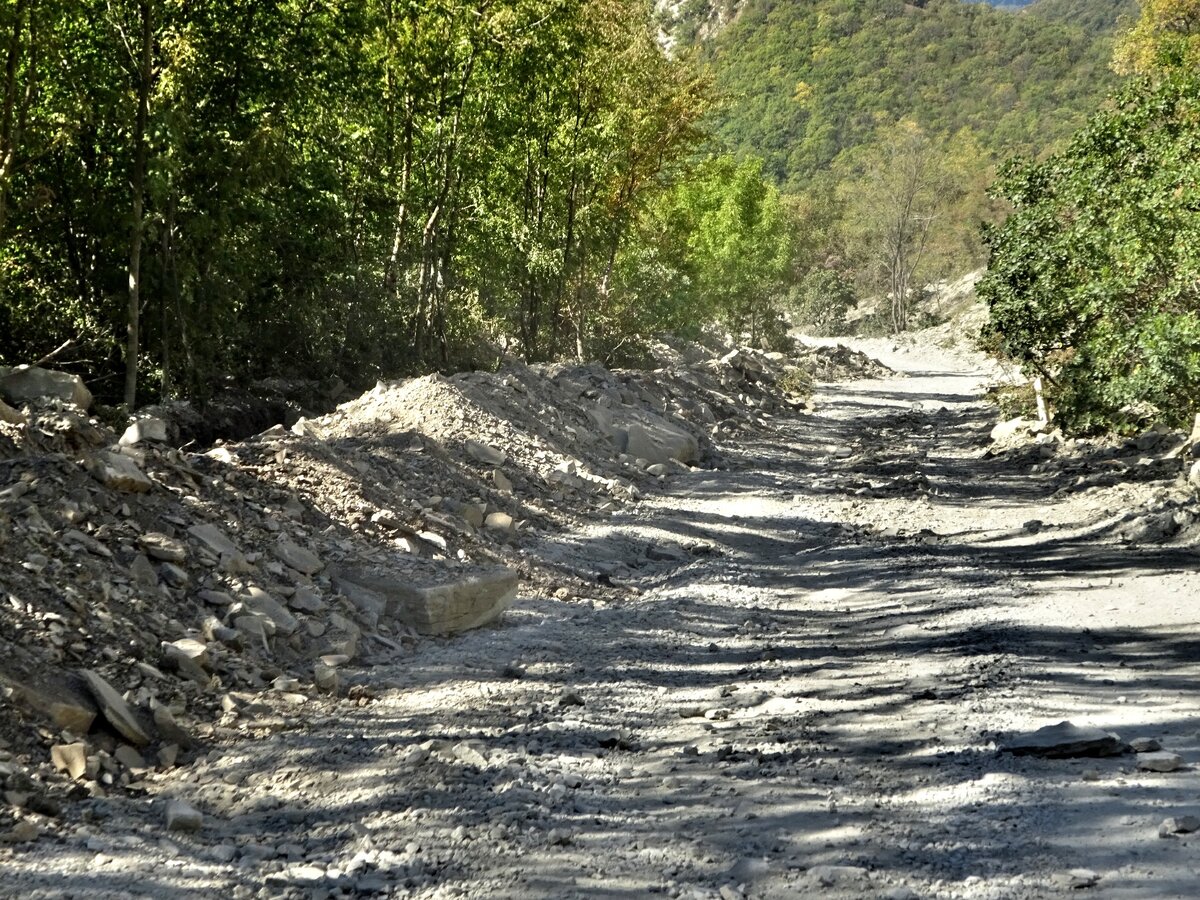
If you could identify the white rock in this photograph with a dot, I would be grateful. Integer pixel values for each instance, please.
(1160, 761)
(183, 817)
(119, 473)
(146, 429)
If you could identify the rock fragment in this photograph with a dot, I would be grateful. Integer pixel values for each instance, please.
(183, 816)
(70, 758)
(114, 708)
(120, 473)
(1159, 761)
(1178, 825)
(1065, 740)
(486, 454)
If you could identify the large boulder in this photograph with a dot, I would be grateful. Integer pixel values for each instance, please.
(50, 696)
(644, 435)
(448, 608)
(31, 384)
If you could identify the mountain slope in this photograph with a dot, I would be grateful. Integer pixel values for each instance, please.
(805, 80)
(1098, 16)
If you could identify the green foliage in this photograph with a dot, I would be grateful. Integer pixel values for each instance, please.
(361, 187)
(821, 301)
(1093, 280)
(1098, 16)
(725, 244)
(806, 81)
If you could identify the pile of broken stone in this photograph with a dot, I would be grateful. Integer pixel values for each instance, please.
(152, 597)
(1156, 472)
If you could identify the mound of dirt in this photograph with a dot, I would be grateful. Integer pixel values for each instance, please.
(208, 591)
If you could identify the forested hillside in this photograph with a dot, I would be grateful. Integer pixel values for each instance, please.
(193, 195)
(805, 81)
(1100, 16)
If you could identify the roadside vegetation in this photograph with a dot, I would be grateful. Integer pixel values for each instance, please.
(1094, 280)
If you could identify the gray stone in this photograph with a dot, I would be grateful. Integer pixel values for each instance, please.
(1178, 825)
(146, 429)
(1194, 473)
(11, 416)
(1065, 740)
(486, 454)
(119, 473)
(142, 572)
(502, 482)
(303, 561)
(32, 384)
(114, 708)
(1159, 761)
(465, 603)
(1144, 745)
(901, 892)
(161, 547)
(183, 817)
(261, 602)
(214, 539)
(827, 876)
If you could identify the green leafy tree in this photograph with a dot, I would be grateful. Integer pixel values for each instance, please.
(1093, 278)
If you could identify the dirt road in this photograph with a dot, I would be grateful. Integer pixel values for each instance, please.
(832, 639)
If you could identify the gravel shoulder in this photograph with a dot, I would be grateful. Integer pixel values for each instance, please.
(801, 695)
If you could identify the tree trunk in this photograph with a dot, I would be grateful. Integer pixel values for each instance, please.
(138, 186)
(22, 42)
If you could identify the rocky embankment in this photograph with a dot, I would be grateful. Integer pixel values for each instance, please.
(155, 600)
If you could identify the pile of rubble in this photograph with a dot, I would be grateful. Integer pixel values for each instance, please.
(1153, 476)
(150, 596)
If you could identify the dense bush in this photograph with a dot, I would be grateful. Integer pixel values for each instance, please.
(1094, 281)
(821, 301)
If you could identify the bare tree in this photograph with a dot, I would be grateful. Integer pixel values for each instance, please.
(893, 203)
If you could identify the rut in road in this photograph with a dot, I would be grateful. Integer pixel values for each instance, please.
(809, 706)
